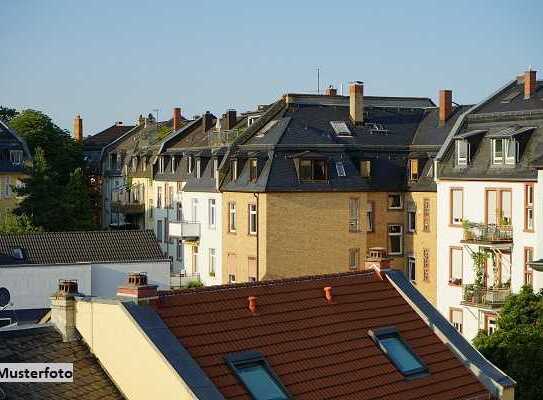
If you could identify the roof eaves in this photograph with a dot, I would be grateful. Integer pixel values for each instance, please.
(495, 380)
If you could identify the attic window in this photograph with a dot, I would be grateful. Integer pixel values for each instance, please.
(161, 164)
(172, 165)
(16, 157)
(190, 164)
(341, 128)
(17, 253)
(365, 168)
(398, 352)
(378, 129)
(234, 169)
(462, 152)
(313, 170)
(198, 168)
(340, 168)
(257, 376)
(253, 169)
(413, 169)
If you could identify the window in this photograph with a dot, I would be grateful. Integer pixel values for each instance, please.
(253, 169)
(172, 165)
(231, 278)
(179, 250)
(167, 199)
(257, 376)
(159, 197)
(179, 187)
(234, 166)
(528, 271)
(365, 169)
(198, 168)
(426, 215)
(313, 170)
(212, 213)
(411, 221)
(179, 212)
(252, 219)
(456, 265)
(497, 151)
(232, 217)
(413, 169)
(426, 265)
(166, 230)
(462, 152)
(18, 253)
(190, 164)
(341, 128)
(411, 269)
(395, 201)
(369, 216)
(395, 239)
(170, 196)
(490, 323)
(161, 164)
(511, 150)
(354, 215)
(216, 169)
(529, 207)
(456, 318)
(457, 207)
(396, 349)
(5, 187)
(212, 261)
(340, 168)
(195, 251)
(354, 259)
(506, 213)
(194, 204)
(16, 157)
(159, 231)
(252, 269)
(498, 207)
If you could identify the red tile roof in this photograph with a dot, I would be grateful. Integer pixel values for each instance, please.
(319, 350)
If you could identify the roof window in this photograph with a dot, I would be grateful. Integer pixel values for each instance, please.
(17, 253)
(340, 168)
(398, 352)
(257, 376)
(341, 128)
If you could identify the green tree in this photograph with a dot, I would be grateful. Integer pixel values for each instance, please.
(516, 347)
(76, 203)
(6, 113)
(11, 223)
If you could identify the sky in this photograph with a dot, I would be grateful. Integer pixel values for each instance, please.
(114, 60)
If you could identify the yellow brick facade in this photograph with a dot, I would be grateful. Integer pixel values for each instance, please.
(10, 201)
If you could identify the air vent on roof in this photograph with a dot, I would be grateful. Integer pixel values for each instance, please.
(340, 168)
(266, 128)
(378, 129)
(341, 128)
(510, 96)
(17, 253)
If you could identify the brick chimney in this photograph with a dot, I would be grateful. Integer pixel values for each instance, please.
(252, 303)
(377, 259)
(137, 289)
(529, 83)
(231, 119)
(176, 118)
(445, 106)
(63, 309)
(330, 91)
(78, 128)
(356, 102)
(328, 295)
(207, 120)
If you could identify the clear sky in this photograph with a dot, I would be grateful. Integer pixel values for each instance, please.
(111, 60)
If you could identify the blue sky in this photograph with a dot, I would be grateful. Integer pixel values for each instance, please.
(112, 60)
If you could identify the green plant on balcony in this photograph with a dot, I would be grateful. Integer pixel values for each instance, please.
(468, 233)
(479, 260)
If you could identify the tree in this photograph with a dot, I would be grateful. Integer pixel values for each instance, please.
(516, 347)
(6, 113)
(11, 223)
(76, 203)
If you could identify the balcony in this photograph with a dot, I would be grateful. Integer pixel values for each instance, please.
(487, 234)
(184, 230)
(484, 297)
(185, 280)
(128, 208)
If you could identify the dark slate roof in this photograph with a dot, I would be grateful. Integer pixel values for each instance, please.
(430, 132)
(9, 140)
(80, 247)
(318, 350)
(500, 102)
(44, 344)
(107, 136)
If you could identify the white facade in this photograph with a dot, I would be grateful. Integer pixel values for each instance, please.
(449, 246)
(31, 286)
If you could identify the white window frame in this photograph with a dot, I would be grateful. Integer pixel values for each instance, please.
(511, 160)
(457, 219)
(161, 164)
(172, 165)
(215, 169)
(497, 159)
(212, 261)
(194, 209)
(340, 168)
(16, 157)
(369, 217)
(234, 170)
(190, 165)
(390, 235)
(459, 159)
(253, 219)
(452, 273)
(198, 168)
(212, 213)
(232, 217)
(411, 269)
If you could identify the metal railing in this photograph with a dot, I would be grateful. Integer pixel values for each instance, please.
(183, 279)
(490, 233)
(482, 296)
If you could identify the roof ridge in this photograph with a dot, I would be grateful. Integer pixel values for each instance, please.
(74, 232)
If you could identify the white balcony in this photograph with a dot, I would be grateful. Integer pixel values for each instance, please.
(188, 231)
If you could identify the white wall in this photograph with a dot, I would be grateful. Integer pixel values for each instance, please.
(538, 204)
(474, 211)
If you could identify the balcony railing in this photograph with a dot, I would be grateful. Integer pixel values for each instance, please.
(484, 297)
(189, 231)
(184, 279)
(487, 233)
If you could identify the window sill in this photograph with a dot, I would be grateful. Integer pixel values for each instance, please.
(232, 232)
(411, 232)
(455, 225)
(252, 234)
(528, 231)
(395, 208)
(395, 254)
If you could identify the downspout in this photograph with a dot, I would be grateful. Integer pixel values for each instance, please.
(257, 236)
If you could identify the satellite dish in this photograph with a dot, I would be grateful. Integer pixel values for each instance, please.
(4, 297)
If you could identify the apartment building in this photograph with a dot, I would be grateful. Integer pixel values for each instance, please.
(14, 155)
(490, 198)
(329, 177)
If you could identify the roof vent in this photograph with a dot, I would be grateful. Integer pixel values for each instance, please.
(328, 294)
(252, 303)
(137, 278)
(67, 286)
(18, 253)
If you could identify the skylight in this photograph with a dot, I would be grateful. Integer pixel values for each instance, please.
(341, 128)
(399, 353)
(340, 168)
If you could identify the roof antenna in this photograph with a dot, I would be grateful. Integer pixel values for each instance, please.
(318, 80)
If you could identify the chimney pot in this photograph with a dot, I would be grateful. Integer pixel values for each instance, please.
(119, 123)
(330, 91)
(328, 294)
(231, 119)
(176, 118)
(252, 304)
(356, 102)
(207, 120)
(137, 288)
(78, 128)
(63, 309)
(530, 79)
(141, 120)
(445, 105)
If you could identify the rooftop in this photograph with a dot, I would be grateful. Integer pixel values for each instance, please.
(107, 136)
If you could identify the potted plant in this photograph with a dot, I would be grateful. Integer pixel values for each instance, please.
(468, 233)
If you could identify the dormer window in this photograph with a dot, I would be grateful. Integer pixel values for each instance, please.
(341, 128)
(340, 168)
(253, 169)
(144, 164)
(504, 151)
(172, 165)
(313, 170)
(161, 164)
(16, 157)
(198, 168)
(234, 166)
(413, 169)
(511, 151)
(215, 169)
(365, 169)
(462, 152)
(190, 164)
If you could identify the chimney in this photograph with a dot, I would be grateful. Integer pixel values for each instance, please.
(377, 259)
(141, 120)
(231, 119)
(119, 123)
(176, 118)
(78, 128)
(252, 303)
(137, 289)
(330, 91)
(445, 106)
(328, 294)
(207, 120)
(529, 83)
(63, 309)
(356, 102)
